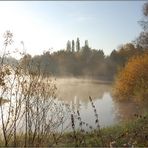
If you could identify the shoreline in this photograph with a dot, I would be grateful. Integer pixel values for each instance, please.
(82, 79)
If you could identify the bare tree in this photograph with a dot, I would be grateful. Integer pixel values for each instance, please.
(31, 101)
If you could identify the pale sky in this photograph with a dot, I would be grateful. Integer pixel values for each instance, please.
(50, 24)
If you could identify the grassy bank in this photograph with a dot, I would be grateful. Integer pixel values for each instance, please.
(133, 133)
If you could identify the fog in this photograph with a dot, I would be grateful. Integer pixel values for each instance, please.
(69, 88)
(76, 92)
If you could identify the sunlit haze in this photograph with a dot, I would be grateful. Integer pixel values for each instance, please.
(44, 25)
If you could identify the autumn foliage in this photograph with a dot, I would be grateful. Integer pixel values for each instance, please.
(132, 80)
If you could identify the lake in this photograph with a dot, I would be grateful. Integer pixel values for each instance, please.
(76, 92)
(73, 95)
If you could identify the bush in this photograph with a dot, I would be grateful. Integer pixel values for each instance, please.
(132, 80)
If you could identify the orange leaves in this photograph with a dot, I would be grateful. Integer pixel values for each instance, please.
(132, 81)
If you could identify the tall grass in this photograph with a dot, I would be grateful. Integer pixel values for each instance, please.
(32, 112)
(32, 115)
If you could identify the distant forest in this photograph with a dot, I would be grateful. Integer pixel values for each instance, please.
(83, 61)
(80, 61)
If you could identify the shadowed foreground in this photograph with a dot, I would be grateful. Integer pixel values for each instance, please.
(134, 133)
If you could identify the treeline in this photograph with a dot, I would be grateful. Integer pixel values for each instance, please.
(9, 60)
(132, 81)
(84, 61)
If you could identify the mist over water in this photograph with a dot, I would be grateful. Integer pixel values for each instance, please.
(76, 93)
(68, 89)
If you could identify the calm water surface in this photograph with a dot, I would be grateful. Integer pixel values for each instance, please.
(76, 92)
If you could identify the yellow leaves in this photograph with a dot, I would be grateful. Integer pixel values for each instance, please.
(132, 81)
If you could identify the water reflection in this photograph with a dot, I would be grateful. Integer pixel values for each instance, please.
(127, 110)
(76, 93)
(69, 89)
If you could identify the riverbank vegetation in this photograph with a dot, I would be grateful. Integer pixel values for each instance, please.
(132, 81)
(32, 115)
(87, 62)
(129, 134)
(133, 133)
